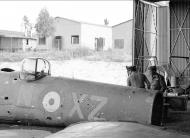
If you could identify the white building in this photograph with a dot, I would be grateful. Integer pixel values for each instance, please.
(122, 36)
(72, 34)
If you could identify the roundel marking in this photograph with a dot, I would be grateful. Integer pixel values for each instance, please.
(51, 101)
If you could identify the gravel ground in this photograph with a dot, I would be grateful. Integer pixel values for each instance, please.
(179, 121)
(99, 71)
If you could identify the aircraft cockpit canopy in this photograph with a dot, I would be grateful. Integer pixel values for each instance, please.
(36, 67)
(29, 65)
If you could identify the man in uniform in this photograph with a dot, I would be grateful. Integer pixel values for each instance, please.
(136, 79)
(157, 81)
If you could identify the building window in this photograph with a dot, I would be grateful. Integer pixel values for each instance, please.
(119, 43)
(42, 41)
(74, 39)
(27, 42)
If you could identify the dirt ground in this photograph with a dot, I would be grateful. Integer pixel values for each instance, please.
(179, 121)
(108, 72)
(99, 71)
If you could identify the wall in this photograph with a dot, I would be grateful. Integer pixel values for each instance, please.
(89, 32)
(66, 28)
(123, 31)
(8, 43)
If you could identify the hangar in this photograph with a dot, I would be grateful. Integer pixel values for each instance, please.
(162, 32)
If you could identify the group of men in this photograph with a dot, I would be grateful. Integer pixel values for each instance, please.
(152, 80)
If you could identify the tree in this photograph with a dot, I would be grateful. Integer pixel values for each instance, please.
(44, 26)
(106, 22)
(27, 26)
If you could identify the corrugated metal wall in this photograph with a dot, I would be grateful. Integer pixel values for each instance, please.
(150, 34)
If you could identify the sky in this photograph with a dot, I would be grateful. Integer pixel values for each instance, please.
(12, 12)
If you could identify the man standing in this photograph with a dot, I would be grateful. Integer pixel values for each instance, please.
(136, 79)
(157, 81)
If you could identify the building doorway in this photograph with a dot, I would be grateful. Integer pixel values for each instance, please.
(99, 44)
(58, 41)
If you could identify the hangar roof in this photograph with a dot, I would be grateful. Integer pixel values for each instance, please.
(166, 0)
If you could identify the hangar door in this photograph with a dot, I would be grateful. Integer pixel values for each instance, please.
(150, 35)
(180, 37)
(145, 39)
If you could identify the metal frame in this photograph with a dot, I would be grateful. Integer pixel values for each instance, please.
(36, 60)
(142, 10)
(146, 60)
(173, 46)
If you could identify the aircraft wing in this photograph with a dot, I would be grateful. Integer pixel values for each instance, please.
(114, 130)
(10, 130)
(23, 133)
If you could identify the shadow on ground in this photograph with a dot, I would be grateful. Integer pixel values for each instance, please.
(179, 121)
